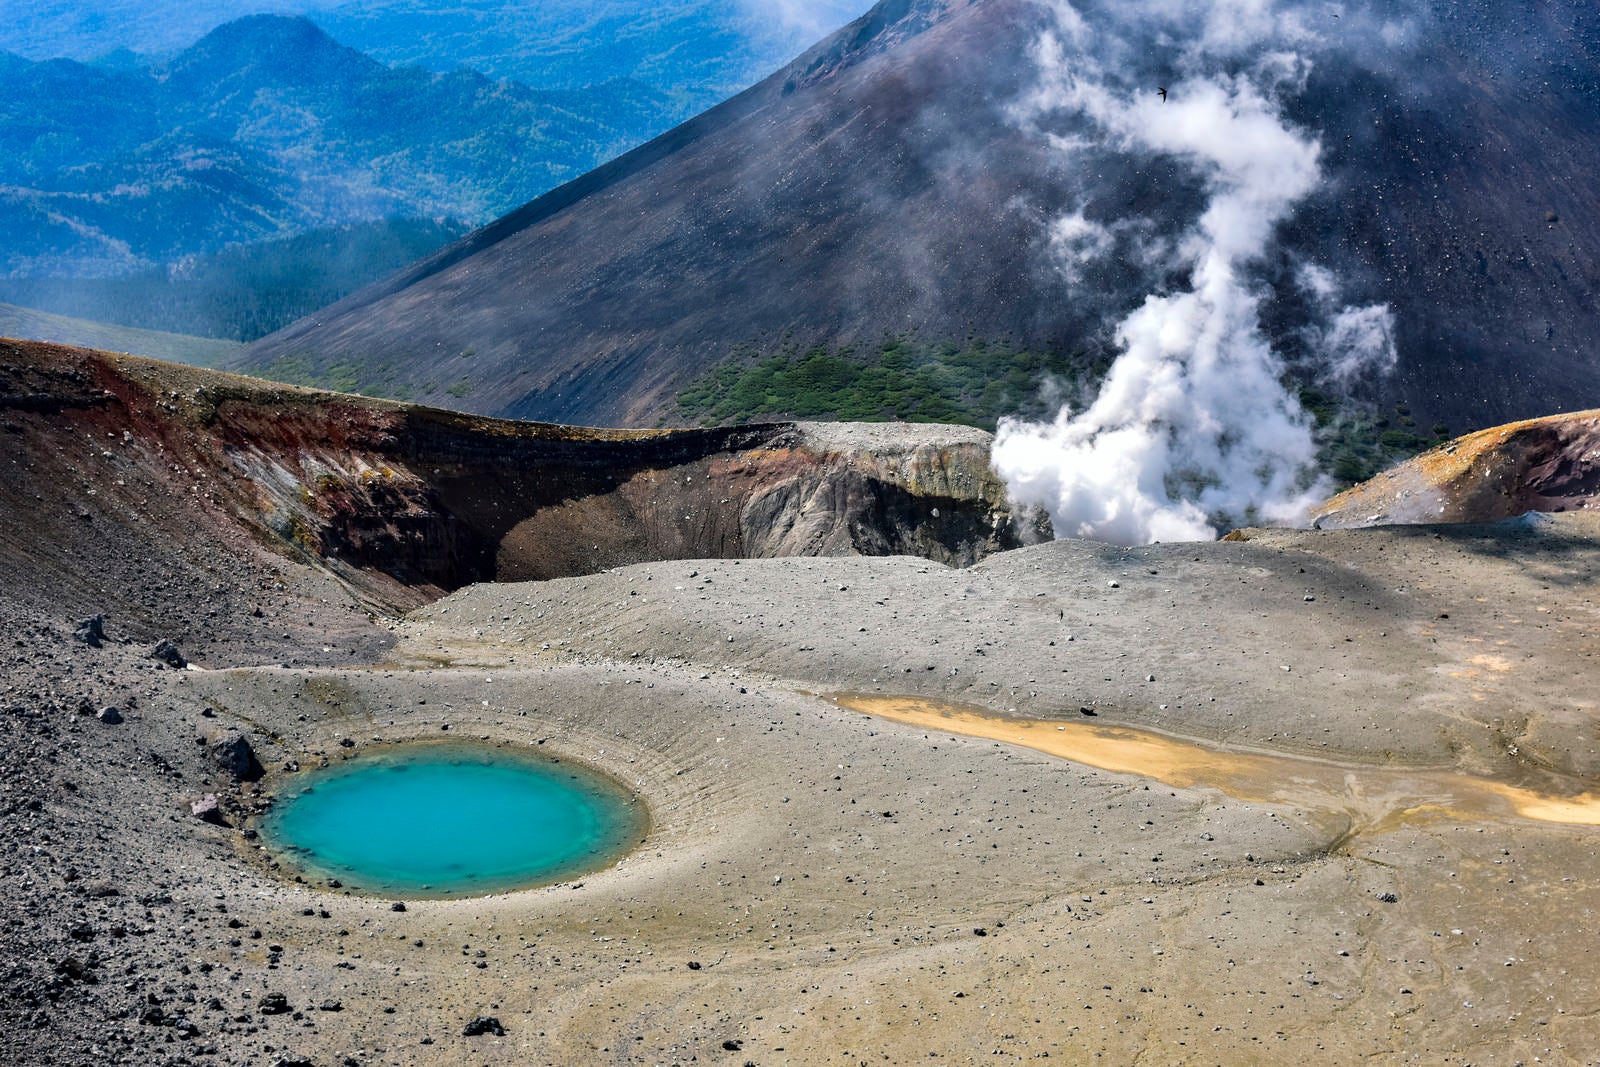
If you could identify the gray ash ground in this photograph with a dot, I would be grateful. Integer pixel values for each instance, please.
(102, 928)
(820, 886)
(95, 966)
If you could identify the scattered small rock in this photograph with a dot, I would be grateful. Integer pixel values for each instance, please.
(168, 653)
(732, 1045)
(483, 1024)
(398, 905)
(208, 809)
(273, 1004)
(1388, 898)
(75, 970)
(230, 751)
(91, 631)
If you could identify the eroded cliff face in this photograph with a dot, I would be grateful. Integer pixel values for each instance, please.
(1549, 464)
(406, 502)
(802, 489)
(890, 489)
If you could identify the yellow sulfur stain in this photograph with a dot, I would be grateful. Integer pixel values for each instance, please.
(1373, 796)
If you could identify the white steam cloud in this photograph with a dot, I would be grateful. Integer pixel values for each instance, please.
(1351, 343)
(1076, 242)
(1192, 420)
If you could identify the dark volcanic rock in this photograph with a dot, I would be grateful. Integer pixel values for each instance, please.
(91, 631)
(483, 1024)
(273, 1004)
(76, 970)
(231, 752)
(168, 653)
(110, 716)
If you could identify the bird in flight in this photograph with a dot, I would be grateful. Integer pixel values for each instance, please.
(1163, 93)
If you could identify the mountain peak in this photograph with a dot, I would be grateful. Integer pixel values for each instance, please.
(121, 60)
(287, 49)
(932, 170)
(254, 30)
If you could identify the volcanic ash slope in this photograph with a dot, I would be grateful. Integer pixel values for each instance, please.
(822, 884)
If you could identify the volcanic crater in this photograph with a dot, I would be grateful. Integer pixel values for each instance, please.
(833, 662)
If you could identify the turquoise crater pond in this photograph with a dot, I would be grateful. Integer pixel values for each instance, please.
(451, 820)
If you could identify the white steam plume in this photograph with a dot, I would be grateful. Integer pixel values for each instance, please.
(1075, 242)
(1351, 343)
(1192, 420)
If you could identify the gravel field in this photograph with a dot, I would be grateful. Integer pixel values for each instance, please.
(825, 886)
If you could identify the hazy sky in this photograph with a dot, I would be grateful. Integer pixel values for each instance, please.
(87, 29)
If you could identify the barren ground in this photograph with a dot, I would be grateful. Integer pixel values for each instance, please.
(1343, 848)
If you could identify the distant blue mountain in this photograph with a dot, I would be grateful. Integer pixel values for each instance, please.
(697, 51)
(243, 292)
(267, 127)
(703, 49)
(228, 186)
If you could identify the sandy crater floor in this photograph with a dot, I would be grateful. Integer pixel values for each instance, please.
(1345, 815)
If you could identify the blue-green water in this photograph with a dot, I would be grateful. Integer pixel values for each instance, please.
(452, 820)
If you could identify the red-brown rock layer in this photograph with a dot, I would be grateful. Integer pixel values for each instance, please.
(1550, 464)
(119, 466)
